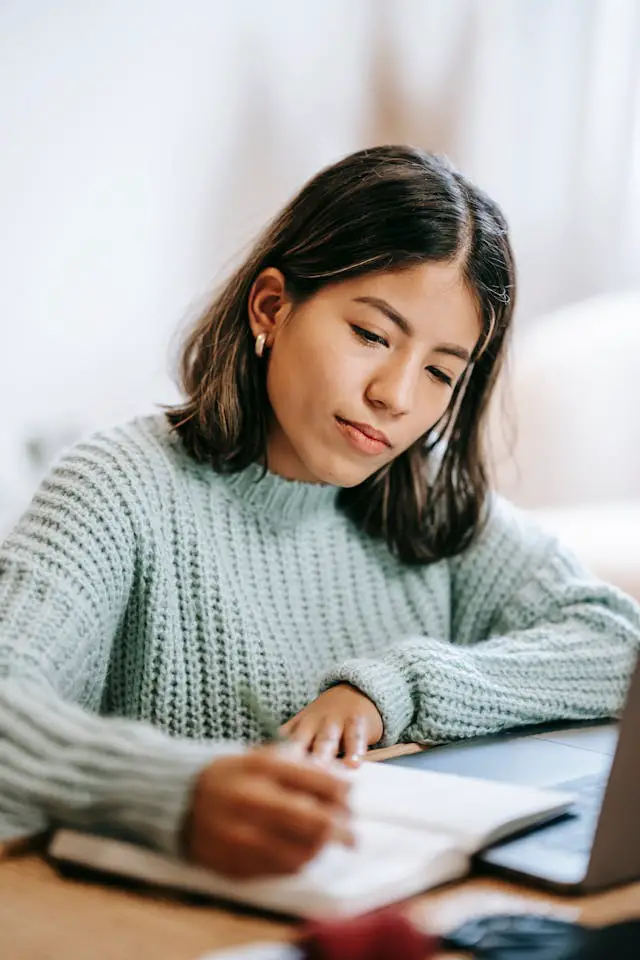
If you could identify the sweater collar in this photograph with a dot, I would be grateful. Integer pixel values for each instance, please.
(277, 499)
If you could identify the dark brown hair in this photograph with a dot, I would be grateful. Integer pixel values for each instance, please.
(384, 208)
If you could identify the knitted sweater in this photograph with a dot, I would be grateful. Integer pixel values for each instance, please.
(141, 590)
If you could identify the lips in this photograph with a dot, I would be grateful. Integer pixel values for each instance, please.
(367, 430)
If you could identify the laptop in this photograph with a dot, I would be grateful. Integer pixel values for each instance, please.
(597, 844)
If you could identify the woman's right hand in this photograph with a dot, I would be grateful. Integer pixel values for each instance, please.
(264, 812)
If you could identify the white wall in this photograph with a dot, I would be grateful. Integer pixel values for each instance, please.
(141, 146)
(144, 141)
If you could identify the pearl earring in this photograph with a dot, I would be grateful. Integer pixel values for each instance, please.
(261, 340)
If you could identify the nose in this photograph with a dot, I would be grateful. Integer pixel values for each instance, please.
(392, 388)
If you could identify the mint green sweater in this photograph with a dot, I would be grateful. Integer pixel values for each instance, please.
(141, 590)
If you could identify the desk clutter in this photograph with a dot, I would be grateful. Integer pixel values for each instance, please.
(389, 935)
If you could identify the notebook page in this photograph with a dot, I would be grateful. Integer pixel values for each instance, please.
(390, 862)
(469, 809)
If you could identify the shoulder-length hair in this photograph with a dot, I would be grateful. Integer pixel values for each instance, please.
(384, 208)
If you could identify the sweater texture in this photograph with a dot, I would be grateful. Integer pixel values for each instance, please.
(141, 592)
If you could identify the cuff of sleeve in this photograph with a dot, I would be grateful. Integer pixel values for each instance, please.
(153, 806)
(62, 766)
(385, 685)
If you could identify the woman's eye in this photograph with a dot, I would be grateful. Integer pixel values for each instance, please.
(440, 375)
(367, 336)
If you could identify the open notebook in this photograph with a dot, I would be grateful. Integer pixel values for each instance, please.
(414, 829)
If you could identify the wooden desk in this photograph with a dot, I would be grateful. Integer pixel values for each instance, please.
(44, 917)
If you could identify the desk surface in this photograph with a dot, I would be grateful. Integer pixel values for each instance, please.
(44, 917)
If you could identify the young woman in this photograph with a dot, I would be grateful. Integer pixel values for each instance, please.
(314, 525)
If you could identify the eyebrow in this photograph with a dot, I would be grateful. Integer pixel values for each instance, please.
(450, 349)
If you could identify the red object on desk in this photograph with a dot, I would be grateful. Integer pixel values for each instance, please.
(386, 935)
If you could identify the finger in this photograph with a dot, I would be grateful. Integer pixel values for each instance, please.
(310, 828)
(286, 729)
(355, 741)
(287, 739)
(302, 776)
(300, 818)
(239, 852)
(326, 743)
(297, 816)
(286, 816)
(250, 852)
(292, 749)
(288, 856)
(304, 733)
(293, 819)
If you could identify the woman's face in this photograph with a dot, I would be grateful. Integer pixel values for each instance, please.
(361, 370)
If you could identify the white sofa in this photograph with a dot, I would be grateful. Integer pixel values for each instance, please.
(572, 452)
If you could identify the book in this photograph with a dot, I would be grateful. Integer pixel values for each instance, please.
(414, 829)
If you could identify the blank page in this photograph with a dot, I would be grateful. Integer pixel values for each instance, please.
(469, 809)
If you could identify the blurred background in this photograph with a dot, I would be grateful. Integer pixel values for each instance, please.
(144, 143)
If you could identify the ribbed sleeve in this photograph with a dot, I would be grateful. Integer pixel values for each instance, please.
(66, 573)
(60, 765)
(536, 639)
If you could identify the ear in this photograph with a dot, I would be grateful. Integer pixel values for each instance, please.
(268, 304)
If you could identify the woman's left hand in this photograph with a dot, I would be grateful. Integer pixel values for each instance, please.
(341, 720)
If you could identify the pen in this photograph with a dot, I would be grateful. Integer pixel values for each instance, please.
(270, 731)
(267, 724)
